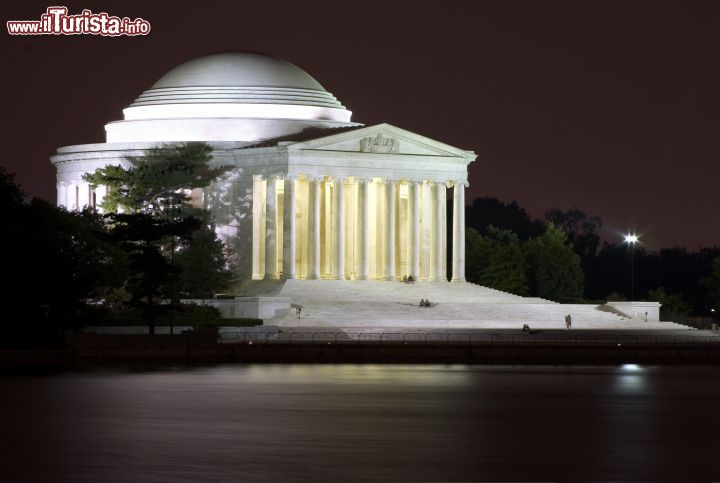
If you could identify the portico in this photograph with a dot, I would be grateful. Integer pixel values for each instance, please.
(350, 228)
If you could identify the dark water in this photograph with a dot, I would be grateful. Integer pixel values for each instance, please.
(363, 423)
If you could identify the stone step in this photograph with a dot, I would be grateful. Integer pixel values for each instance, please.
(460, 310)
(365, 303)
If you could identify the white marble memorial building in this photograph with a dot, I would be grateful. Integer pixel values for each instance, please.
(314, 200)
(312, 195)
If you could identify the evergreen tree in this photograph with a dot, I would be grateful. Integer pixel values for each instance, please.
(164, 174)
(158, 219)
(141, 236)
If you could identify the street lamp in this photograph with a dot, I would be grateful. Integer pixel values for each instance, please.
(632, 240)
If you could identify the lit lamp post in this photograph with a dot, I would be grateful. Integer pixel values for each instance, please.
(632, 240)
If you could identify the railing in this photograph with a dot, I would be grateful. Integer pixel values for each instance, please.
(327, 337)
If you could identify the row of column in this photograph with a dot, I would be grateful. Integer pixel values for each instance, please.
(290, 228)
(77, 196)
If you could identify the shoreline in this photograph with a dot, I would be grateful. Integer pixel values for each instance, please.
(514, 348)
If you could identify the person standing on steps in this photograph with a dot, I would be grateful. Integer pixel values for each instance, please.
(568, 321)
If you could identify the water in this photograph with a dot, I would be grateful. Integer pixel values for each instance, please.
(362, 423)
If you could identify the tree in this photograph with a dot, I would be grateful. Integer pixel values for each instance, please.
(476, 255)
(677, 269)
(496, 260)
(159, 218)
(140, 236)
(554, 270)
(11, 196)
(491, 212)
(202, 266)
(670, 304)
(712, 286)
(57, 265)
(164, 173)
(78, 262)
(581, 230)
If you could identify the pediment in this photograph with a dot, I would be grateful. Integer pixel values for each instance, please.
(382, 139)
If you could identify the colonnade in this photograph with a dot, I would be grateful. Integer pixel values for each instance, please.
(78, 195)
(422, 212)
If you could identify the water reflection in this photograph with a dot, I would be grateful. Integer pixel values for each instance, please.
(362, 422)
(631, 378)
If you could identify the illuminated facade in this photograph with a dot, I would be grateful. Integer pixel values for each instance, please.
(312, 195)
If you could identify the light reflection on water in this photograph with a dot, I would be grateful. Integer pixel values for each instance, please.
(362, 422)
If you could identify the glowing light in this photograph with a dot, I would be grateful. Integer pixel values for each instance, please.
(631, 367)
(631, 239)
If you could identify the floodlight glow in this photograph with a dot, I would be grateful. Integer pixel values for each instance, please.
(631, 238)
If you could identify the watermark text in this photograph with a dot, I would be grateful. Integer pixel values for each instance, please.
(56, 21)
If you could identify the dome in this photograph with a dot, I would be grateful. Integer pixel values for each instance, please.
(232, 96)
(238, 69)
(238, 77)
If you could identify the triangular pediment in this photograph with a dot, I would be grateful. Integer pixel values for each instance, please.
(381, 139)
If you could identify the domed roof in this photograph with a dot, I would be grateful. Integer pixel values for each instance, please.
(238, 78)
(233, 96)
(238, 69)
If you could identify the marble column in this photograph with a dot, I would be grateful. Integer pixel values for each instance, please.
(84, 198)
(458, 256)
(440, 194)
(62, 190)
(364, 228)
(289, 228)
(415, 191)
(271, 260)
(314, 227)
(100, 193)
(257, 224)
(339, 239)
(390, 229)
(73, 196)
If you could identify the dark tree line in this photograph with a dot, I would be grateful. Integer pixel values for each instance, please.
(61, 270)
(54, 264)
(678, 271)
(503, 242)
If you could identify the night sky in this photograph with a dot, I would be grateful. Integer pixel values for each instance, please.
(611, 107)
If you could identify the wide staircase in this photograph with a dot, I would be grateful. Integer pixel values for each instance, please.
(365, 304)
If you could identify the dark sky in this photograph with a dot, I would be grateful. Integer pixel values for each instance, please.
(612, 107)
